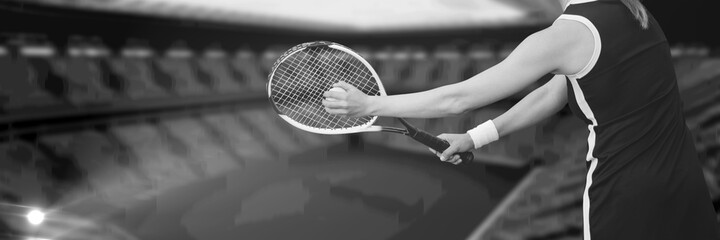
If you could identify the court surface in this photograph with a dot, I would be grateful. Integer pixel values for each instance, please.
(326, 193)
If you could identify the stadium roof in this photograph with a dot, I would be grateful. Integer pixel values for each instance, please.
(339, 15)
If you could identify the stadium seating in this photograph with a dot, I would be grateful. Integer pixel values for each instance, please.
(26, 173)
(162, 160)
(176, 74)
(420, 76)
(215, 67)
(110, 171)
(201, 147)
(393, 63)
(23, 87)
(451, 65)
(85, 85)
(237, 137)
(137, 75)
(481, 57)
(249, 70)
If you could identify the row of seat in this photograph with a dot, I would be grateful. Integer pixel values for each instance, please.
(38, 78)
(129, 159)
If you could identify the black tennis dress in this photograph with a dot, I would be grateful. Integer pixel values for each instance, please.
(644, 179)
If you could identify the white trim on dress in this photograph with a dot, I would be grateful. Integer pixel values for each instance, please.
(586, 110)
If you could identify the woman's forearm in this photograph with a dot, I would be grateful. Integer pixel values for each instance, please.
(533, 108)
(433, 103)
(480, 90)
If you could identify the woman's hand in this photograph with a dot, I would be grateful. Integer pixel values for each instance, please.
(349, 102)
(458, 143)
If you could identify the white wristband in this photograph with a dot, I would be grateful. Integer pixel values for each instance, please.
(483, 134)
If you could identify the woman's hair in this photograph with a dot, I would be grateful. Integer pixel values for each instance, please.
(638, 10)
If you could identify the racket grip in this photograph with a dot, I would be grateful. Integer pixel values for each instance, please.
(439, 145)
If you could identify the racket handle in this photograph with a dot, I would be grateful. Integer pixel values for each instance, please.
(439, 145)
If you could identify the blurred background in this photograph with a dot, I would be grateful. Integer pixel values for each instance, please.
(149, 119)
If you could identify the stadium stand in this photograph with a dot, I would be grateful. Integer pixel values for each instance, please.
(134, 69)
(175, 73)
(23, 88)
(213, 65)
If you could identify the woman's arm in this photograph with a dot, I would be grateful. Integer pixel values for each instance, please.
(536, 106)
(562, 48)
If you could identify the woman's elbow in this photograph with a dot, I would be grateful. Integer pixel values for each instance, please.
(457, 106)
(454, 101)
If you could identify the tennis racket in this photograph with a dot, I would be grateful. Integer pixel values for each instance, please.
(303, 73)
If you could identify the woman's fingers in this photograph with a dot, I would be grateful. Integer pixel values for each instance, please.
(341, 112)
(457, 144)
(334, 104)
(335, 95)
(449, 153)
(343, 96)
(444, 136)
(345, 86)
(456, 159)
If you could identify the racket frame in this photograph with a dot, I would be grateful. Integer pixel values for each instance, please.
(367, 127)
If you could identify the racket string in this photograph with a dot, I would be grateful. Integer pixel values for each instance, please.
(296, 94)
(299, 115)
(323, 76)
(315, 97)
(301, 70)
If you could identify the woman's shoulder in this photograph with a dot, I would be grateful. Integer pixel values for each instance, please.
(577, 40)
